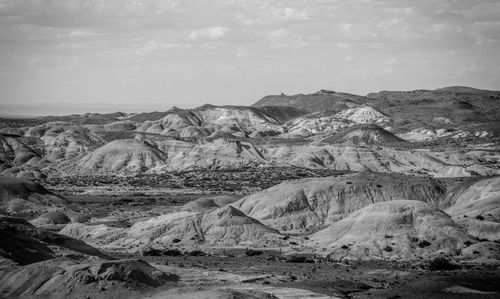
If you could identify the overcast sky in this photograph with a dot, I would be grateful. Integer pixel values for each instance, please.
(62, 56)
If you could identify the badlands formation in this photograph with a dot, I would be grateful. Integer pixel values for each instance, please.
(324, 195)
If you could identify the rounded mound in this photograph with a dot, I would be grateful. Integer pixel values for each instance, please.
(310, 203)
(401, 229)
(362, 135)
(54, 217)
(125, 155)
(63, 278)
(208, 203)
(11, 187)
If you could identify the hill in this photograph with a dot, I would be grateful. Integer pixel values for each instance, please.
(363, 135)
(319, 101)
(127, 155)
(403, 229)
(226, 226)
(25, 197)
(311, 203)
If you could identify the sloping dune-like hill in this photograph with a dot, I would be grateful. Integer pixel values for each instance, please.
(127, 155)
(215, 118)
(363, 135)
(208, 203)
(21, 195)
(400, 228)
(226, 226)
(66, 278)
(363, 115)
(478, 209)
(310, 203)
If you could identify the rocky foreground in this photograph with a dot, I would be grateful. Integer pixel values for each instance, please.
(355, 218)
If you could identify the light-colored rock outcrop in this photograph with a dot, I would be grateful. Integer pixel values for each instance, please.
(364, 115)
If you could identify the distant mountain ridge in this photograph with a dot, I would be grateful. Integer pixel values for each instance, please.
(277, 130)
(319, 101)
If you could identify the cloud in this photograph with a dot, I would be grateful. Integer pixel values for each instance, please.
(291, 13)
(75, 45)
(209, 33)
(342, 46)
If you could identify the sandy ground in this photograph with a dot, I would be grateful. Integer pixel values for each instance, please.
(231, 269)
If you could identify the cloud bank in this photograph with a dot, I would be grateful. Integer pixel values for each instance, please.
(152, 54)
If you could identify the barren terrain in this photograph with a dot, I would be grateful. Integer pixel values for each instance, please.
(327, 195)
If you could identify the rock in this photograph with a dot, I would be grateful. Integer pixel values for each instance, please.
(61, 277)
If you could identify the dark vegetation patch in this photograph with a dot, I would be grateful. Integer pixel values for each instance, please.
(299, 259)
(423, 243)
(442, 263)
(252, 252)
(244, 180)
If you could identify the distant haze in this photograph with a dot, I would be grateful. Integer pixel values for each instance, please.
(73, 56)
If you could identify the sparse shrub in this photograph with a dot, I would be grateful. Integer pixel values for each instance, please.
(172, 252)
(441, 263)
(151, 252)
(176, 240)
(388, 236)
(479, 217)
(252, 252)
(423, 243)
(299, 259)
(348, 183)
(468, 243)
(344, 247)
(197, 253)
(388, 248)
(15, 205)
(413, 239)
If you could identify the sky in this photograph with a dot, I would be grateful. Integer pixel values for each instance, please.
(76, 56)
